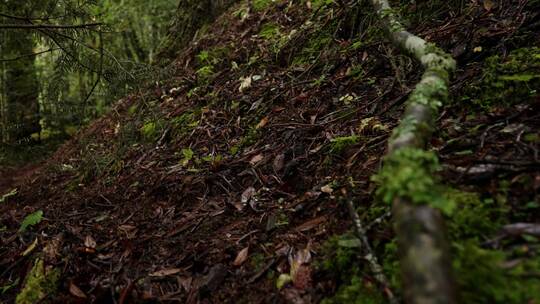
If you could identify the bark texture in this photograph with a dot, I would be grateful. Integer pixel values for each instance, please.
(20, 106)
(424, 255)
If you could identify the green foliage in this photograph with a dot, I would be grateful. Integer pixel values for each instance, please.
(205, 73)
(482, 278)
(31, 220)
(409, 173)
(188, 155)
(148, 130)
(269, 31)
(185, 123)
(39, 283)
(316, 4)
(259, 5)
(341, 257)
(473, 216)
(507, 81)
(339, 144)
(357, 291)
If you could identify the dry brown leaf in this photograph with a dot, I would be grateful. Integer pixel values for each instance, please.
(76, 291)
(89, 242)
(165, 272)
(255, 159)
(262, 123)
(241, 257)
(247, 194)
(311, 224)
(327, 189)
(279, 162)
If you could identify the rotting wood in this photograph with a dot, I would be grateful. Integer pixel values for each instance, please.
(420, 230)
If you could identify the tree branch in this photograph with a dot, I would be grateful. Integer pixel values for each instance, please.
(420, 230)
(47, 26)
(29, 55)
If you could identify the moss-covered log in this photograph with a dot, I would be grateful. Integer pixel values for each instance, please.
(417, 204)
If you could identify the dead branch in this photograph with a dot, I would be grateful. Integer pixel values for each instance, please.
(425, 262)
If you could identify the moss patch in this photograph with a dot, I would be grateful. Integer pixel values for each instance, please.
(40, 283)
(410, 173)
(507, 81)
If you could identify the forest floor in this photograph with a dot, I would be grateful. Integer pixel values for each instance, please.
(226, 182)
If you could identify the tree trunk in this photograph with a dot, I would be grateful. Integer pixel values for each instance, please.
(21, 88)
(191, 15)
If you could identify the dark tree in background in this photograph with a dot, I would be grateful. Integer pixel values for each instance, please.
(19, 110)
(63, 62)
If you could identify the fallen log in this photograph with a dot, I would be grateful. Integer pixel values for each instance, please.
(406, 180)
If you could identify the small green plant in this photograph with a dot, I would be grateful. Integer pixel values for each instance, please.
(339, 144)
(205, 73)
(341, 262)
(507, 81)
(39, 283)
(188, 155)
(259, 5)
(31, 220)
(148, 130)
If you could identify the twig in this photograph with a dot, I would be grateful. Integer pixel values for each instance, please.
(369, 256)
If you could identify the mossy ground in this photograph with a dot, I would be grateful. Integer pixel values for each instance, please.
(171, 163)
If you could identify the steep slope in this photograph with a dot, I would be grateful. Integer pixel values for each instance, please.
(229, 174)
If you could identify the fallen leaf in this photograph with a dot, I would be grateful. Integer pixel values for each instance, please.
(255, 159)
(89, 242)
(283, 280)
(30, 248)
(245, 83)
(165, 272)
(300, 271)
(247, 194)
(241, 257)
(185, 282)
(76, 291)
(327, 189)
(262, 123)
(279, 162)
(311, 224)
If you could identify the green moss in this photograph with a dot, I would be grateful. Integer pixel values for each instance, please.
(357, 291)
(339, 144)
(507, 81)
(410, 173)
(40, 283)
(341, 262)
(205, 73)
(482, 277)
(474, 216)
(269, 31)
(148, 130)
(316, 4)
(259, 5)
(316, 44)
(185, 123)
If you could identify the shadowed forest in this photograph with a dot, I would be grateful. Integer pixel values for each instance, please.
(270, 151)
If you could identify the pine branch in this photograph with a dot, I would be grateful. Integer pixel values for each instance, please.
(48, 26)
(30, 55)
